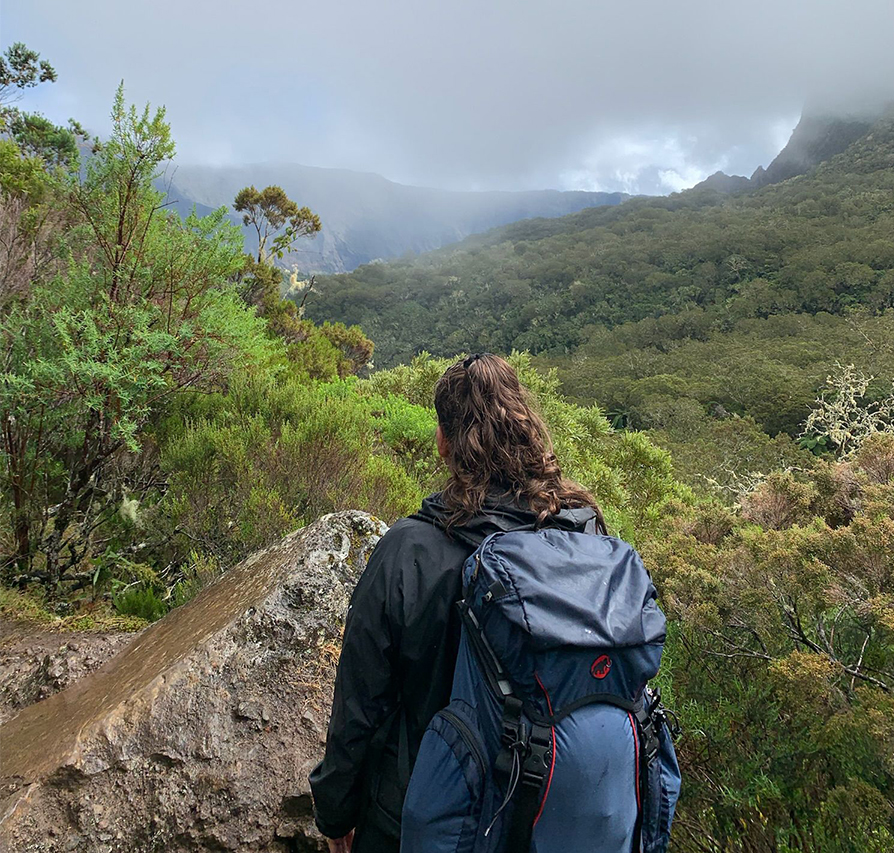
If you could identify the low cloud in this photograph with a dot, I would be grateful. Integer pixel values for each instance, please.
(646, 97)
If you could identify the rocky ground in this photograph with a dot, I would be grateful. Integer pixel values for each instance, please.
(198, 733)
(36, 663)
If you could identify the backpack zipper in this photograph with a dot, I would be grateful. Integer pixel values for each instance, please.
(466, 733)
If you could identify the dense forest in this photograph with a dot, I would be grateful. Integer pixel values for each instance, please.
(165, 412)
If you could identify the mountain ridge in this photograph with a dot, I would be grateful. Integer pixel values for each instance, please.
(545, 284)
(816, 138)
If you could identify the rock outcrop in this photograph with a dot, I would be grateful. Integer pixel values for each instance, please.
(200, 733)
(723, 183)
(816, 139)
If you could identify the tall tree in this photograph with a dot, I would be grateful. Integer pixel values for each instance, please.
(275, 217)
(22, 68)
(318, 351)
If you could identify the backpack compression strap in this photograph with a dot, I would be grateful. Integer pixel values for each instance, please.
(534, 773)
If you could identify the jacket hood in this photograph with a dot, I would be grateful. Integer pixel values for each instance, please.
(502, 515)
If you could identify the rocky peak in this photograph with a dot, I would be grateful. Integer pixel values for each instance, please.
(817, 138)
(723, 183)
(814, 140)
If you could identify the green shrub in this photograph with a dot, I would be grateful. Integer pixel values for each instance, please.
(140, 601)
(195, 575)
(781, 653)
(276, 453)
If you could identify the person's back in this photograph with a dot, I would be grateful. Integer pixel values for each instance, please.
(403, 632)
(409, 589)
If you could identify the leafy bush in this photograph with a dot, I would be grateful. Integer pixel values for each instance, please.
(140, 310)
(275, 453)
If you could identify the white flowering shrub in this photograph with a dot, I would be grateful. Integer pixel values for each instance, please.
(846, 415)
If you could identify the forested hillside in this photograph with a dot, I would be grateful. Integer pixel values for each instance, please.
(673, 314)
(816, 243)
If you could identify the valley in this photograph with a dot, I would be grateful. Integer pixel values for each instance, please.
(367, 218)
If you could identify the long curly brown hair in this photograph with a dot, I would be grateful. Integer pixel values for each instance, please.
(498, 444)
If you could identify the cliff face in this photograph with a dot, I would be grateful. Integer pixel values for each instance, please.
(200, 733)
(814, 140)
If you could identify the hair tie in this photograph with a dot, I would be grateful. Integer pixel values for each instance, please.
(468, 362)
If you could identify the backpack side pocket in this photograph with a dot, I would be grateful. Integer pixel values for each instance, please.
(442, 809)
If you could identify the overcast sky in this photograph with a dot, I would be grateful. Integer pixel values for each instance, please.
(637, 95)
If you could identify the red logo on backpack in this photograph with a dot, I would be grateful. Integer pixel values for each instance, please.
(601, 666)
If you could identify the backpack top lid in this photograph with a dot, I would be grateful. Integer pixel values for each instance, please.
(563, 588)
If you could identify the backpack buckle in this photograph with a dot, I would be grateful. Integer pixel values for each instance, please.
(664, 716)
(512, 724)
(512, 738)
(538, 759)
(648, 731)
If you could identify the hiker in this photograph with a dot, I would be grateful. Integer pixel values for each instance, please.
(409, 650)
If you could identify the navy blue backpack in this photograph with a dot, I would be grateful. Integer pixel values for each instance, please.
(552, 741)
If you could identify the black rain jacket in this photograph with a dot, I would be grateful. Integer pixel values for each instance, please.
(396, 666)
